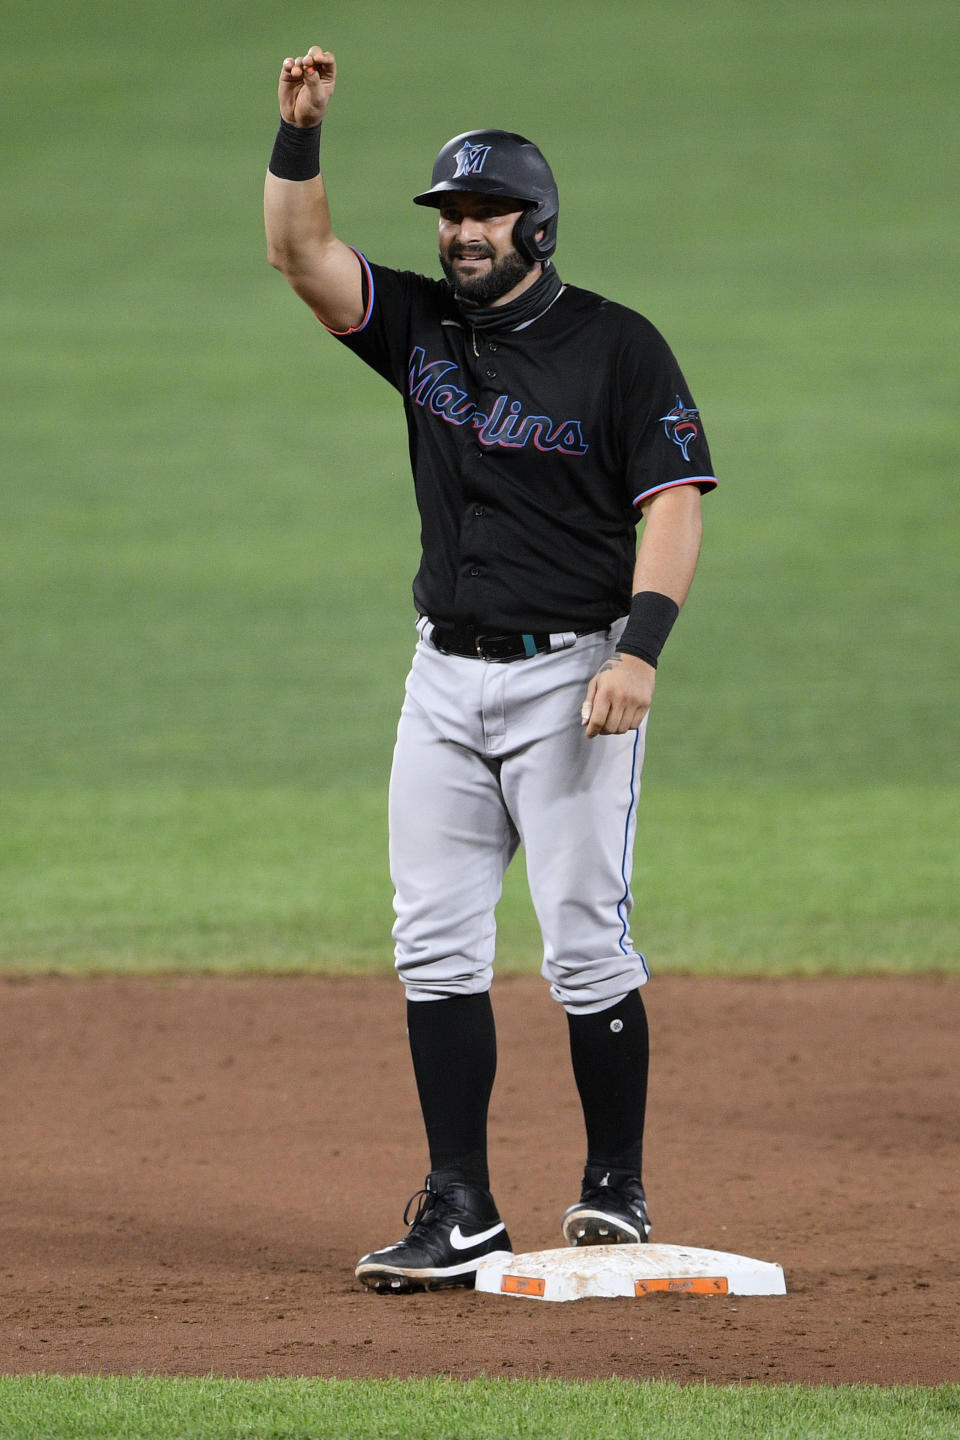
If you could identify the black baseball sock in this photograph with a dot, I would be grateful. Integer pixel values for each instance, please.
(454, 1048)
(611, 1055)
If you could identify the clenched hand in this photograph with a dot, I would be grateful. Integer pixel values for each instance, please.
(306, 85)
(618, 696)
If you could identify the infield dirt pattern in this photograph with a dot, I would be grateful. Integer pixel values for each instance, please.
(192, 1167)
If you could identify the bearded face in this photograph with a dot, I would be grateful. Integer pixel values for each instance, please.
(477, 252)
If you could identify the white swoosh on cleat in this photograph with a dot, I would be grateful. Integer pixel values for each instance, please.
(459, 1241)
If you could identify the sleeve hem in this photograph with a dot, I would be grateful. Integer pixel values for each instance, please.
(705, 482)
(355, 329)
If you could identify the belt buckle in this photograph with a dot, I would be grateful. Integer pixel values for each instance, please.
(481, 643)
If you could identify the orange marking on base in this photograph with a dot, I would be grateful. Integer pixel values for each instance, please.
(522, 1285)
(684, 1285)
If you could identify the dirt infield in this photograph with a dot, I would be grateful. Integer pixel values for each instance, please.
(192, 1166)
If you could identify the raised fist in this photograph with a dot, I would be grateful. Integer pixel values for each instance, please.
(306, 85)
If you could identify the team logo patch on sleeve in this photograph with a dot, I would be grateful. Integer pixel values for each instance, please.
(680, 426)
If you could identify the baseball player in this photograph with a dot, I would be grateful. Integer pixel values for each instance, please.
(544, 423)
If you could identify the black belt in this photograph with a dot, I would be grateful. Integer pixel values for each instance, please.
(487, 645)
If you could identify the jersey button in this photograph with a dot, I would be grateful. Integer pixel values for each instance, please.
(479, 510)
(474, 571)
(493, 346)
(490, 373)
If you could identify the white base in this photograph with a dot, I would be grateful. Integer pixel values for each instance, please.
(579, 1273)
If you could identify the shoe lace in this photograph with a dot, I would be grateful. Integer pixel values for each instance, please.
(424, 1200)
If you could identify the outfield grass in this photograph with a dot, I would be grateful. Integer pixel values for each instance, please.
(141, 1408)
(208, 530)
(290, 879)
(208, 535)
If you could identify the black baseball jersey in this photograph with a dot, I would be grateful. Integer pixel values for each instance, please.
(532, 449)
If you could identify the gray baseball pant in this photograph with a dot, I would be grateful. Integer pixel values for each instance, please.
(489, 756)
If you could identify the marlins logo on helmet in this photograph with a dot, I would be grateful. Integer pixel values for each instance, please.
(470, 159)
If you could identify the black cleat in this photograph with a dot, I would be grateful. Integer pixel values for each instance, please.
(612, 1210)
(454, 1228)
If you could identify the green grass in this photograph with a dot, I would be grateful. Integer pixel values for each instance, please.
(285, 878)
(208, 531)
(208, 536)
(141, 1408)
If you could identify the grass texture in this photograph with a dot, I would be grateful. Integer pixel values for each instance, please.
(208, 537)
(208, 526)
(149, 1408)
(285, 879)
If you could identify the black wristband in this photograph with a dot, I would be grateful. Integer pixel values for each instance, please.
(296, 152)
(650, 622)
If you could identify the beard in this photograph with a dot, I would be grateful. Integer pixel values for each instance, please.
(502, 277)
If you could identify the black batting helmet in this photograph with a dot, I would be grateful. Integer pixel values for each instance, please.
(497, 162)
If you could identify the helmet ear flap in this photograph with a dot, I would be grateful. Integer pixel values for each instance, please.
(525, 236)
